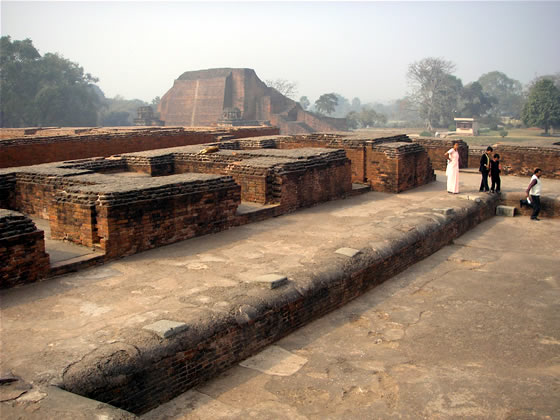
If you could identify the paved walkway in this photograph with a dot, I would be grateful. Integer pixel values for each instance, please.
(472, 332)
(49, 325)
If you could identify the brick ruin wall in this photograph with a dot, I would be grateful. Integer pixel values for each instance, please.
(522, 160)
(83, 199)
(87, 203)
(436, 148)
(22, 250)
(397, 167)
(156, 370)
(127, 224)
(23, 151)
(388, 164)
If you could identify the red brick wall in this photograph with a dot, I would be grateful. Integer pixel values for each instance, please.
(312, 186)
(22, 250)
(356, 154)
(34, 199)
(522, 160)
(436, 148)
(32, 151)
(414, 170)
(138, 226)
(74, 222)
(253, 185)
(381, 172)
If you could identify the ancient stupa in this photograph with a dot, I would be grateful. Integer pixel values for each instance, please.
(199, 98)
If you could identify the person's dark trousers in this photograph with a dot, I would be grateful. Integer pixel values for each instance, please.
(484, 183)
(496, 182)
(536, 204)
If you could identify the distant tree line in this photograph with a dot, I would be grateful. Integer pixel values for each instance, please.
(437, 96)
(50, 90)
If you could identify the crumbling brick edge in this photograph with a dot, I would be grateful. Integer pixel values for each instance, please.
(143, 370)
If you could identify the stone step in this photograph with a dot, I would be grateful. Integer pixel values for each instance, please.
(507, 211)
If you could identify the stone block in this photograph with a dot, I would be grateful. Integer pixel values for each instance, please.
(272, 280)
(348, 252)
(445, 211)
(165, 328)
(508, 211)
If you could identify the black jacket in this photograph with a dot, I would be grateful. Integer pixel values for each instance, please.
(484, 160)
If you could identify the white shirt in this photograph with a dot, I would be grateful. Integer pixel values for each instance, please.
(536, 190)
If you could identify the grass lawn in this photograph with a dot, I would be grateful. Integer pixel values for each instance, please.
(526, 136)
(515, 136)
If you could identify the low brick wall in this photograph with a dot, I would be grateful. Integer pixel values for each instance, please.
(143, 371)
(123, 219)
(24, 151)
(523, 159)
(436, 148)
(22, 250)
(397, 167)
(475, 152)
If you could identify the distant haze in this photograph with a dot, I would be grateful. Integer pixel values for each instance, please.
(137, 49)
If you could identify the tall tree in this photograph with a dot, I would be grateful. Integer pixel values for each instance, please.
(326, 104)
(48, 90)
(342, 107)
(19, 62)
(434, 89)
(474, 102)
(366, 117)
(508, 93)
(285, 87)
(304, 102)
(542, 108)
(356, 104)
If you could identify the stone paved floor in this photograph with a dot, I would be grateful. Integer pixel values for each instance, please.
(472, 332)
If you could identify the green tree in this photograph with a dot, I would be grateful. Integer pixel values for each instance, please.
(366, 117)
(435, 90)
(65, 96)
(542, 108)
(326, 104)
(474, 102)
(356, 104)
(554, 77)
(508, 94)
(304, 102)
(19, 62)
(115, 119)
(48, 90)
(120, 111)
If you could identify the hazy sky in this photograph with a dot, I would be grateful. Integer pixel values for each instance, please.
(137, 49)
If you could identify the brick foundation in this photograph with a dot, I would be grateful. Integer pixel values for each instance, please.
(22, 250)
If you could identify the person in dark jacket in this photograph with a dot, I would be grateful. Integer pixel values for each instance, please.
(495, 169)
(485, 169)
